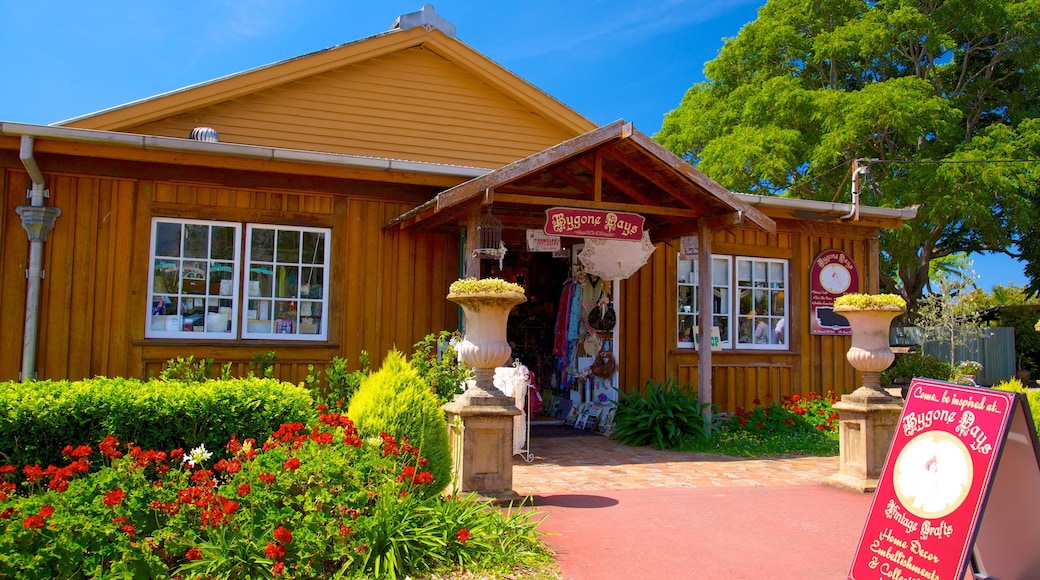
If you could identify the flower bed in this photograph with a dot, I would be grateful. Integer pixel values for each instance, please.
(312, 501)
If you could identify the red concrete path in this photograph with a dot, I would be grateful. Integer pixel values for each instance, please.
(671, 515)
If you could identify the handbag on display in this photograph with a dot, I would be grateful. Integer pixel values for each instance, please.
(604, 365)
(602, 316)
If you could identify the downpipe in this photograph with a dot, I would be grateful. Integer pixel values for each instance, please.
(37, 220)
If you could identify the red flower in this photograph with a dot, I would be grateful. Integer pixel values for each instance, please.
(292, 464)
(114, 497)
(283, 535)
(821, 428)
(7, 513)
(742, 421)
(424, 477)
(193, 554)
(756, 401)
(274, 551)
(33, 522)
(118, 521)
(46, 511)
(129, 529)
(109, 447)
(78, 452)
(244, 489)
(462, 535)
(345, 530)
(789, 421)
(321, 407)
(267, 478)
(759, 425)
(795, 398)
(7, 469)
(278, 569)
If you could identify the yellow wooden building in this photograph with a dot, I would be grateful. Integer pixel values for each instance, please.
(321, 206)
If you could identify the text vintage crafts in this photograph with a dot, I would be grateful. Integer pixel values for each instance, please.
(929, 498)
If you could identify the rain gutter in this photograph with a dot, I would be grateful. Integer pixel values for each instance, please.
(154, 143)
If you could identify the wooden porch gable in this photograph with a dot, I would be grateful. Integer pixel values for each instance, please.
(614, 167)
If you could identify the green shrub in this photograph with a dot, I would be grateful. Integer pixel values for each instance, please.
(436, 360)
(39, 418)
(1032, 397)
(1011, 385)
(917, 364)
(662, 418)
(340, 383)
(314, 501)
(396, 399)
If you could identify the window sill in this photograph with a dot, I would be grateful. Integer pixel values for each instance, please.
(237, 342)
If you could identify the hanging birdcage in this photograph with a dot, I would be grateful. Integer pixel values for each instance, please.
(489, 239)
(489, 232)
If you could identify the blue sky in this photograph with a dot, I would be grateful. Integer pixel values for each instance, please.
(607, 59)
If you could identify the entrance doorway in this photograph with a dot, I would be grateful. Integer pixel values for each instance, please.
(550, 334)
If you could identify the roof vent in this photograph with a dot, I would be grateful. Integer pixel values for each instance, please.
(426, 18)
(207, 134)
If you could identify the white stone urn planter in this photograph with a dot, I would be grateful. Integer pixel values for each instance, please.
(485, 316)
(871, 352)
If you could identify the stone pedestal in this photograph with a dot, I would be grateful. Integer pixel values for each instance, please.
(481, 434)
(868, 420)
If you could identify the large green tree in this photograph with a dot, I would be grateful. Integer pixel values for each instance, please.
(942, 96)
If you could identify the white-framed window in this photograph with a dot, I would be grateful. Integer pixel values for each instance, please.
(286, 283)
(762, 303)
(206, 284)
(749, 302)
(689, 300)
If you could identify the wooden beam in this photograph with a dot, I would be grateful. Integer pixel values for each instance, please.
(624, 187)
(673, 161)
(597, 175)
(704, 305)
(472, 265)
(537, 200)
(537, 162)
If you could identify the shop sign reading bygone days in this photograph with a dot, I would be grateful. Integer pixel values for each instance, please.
(593, 223)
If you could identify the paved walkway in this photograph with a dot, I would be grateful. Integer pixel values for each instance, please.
(616, 512)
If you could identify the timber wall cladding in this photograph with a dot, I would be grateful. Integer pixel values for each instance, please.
(813, 363)
(86, 287)
(413, 105)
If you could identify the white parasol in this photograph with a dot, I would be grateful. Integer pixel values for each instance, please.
(615, 259)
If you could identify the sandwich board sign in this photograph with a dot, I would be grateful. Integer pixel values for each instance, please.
(960, 488)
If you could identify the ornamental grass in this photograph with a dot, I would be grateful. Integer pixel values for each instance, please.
(312, 501)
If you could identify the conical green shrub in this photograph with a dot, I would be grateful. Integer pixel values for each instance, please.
(397, 400)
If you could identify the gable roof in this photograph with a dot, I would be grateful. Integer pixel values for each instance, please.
(413, 93)
(614, 167)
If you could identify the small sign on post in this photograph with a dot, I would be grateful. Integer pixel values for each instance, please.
(958, 488)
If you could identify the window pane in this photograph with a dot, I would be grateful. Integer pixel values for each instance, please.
(193, 297)
(262, 245)
(287, 284)
(688, 309)
(167, 239)
(222, 243)
(196, 241)
(288, 247)
(313, 248)
(762, 304)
